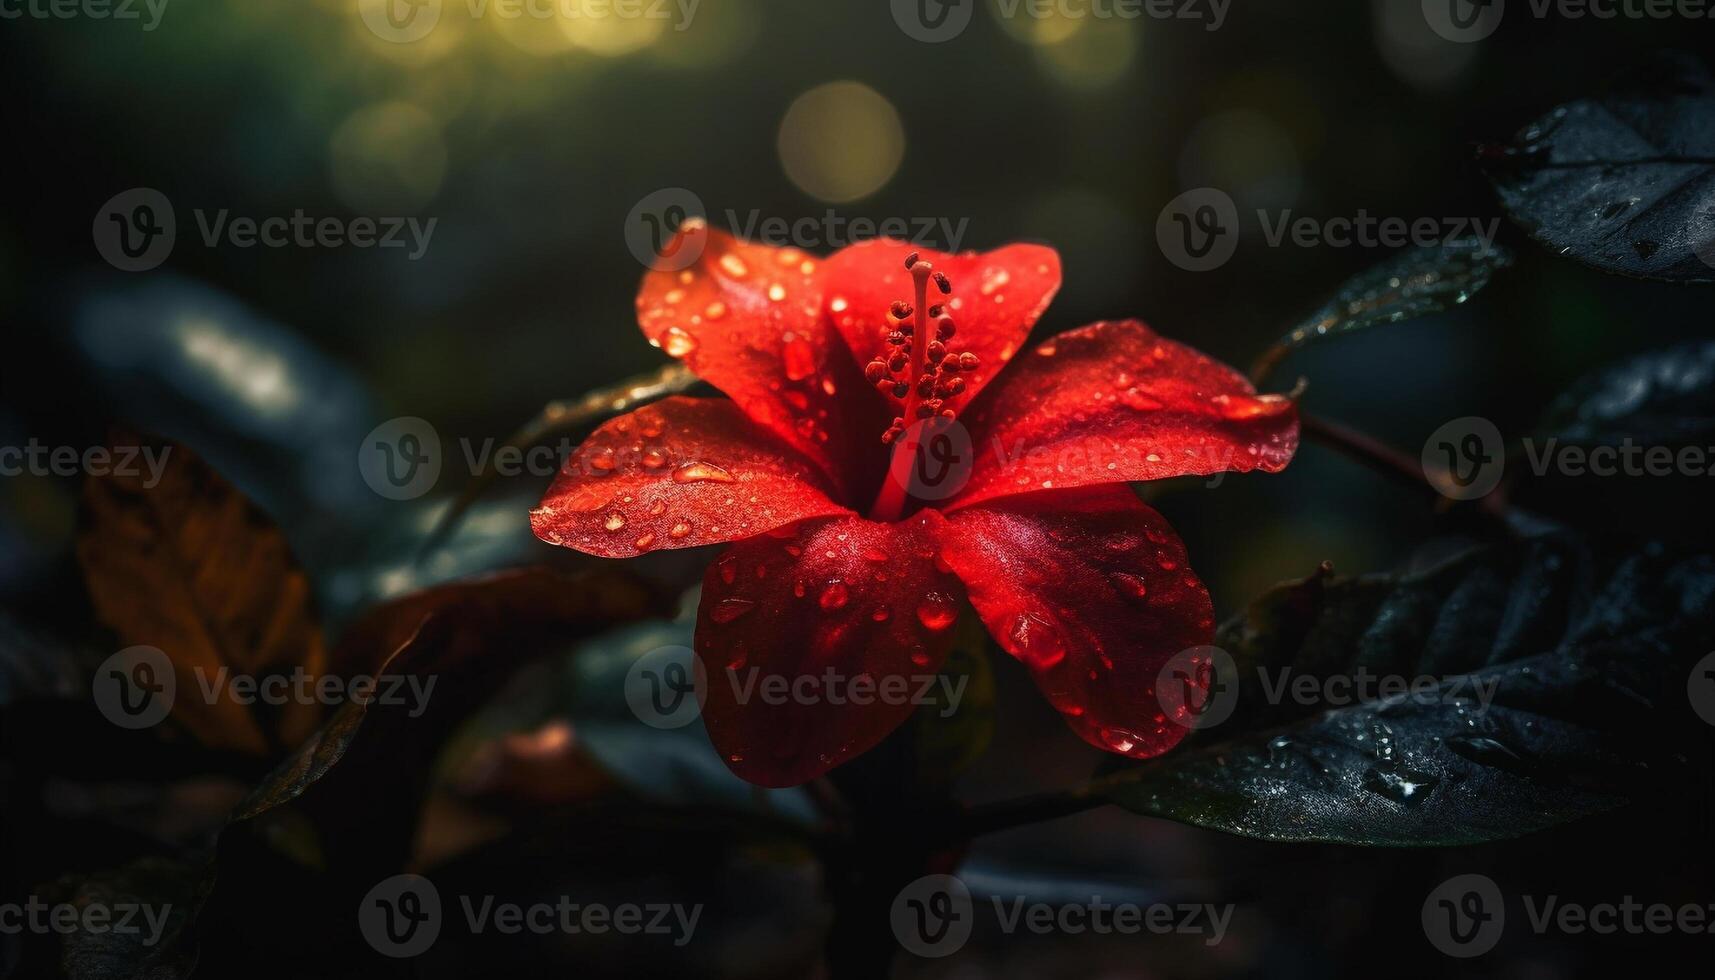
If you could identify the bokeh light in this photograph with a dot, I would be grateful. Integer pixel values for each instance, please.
(1092, 58)
(1055, 24)
(1414, 52)
(841, 141)
(388, 156)
(1246, 154)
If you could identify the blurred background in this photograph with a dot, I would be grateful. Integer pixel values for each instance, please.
(529, 142)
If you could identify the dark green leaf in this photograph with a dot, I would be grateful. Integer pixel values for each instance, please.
(1664, 397)
(1414, 284)
(1622, 182)
(1557, 672)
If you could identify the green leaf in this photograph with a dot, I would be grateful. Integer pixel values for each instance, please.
(1557, 670)
(1621, 182)
(1663, 397)
(1414, 284)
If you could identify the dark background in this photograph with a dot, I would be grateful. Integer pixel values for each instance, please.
(526, 293)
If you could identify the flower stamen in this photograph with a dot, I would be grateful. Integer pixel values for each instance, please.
(923, 379)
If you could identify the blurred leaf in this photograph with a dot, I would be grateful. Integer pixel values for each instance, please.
(191, 567)
(1581, 655)
(1418, 283)
(1664, 397)
(279, 417)
(350, 799)
(169, 889)
(1623, 182)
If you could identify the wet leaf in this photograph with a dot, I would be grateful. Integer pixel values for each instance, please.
(1556, 670)
(1625, 181)
(1417, 283)
(191, 567)
(1664, 397)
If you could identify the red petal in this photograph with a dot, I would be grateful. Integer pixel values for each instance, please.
(677, 474)
(841, 599)
(997, 297)
(1115, 402)
(748, 320)
(1090, 590)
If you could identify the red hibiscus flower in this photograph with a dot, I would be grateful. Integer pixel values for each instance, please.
(839, 565)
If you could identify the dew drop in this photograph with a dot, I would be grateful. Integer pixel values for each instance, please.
(676, 342)
(701, 473)
(834, 596)
(727, 610)
(881, 614)
(614, 521)
(679, 530)
(937, 611)
(644, 543)
(799, 359)
(1038, 641)
(1129, 584)
(654, 459)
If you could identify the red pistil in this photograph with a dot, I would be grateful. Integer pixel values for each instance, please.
(922, 380)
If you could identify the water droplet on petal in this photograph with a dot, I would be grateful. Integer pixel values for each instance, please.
(1129, 584)
(727, 610)
(676, 342)
(644, 543)
(937, 611)
(799, 359)
(881, 614)
(614, 521)
(1037, 641)
(679, 530)
(834, 596)
(701, 473)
